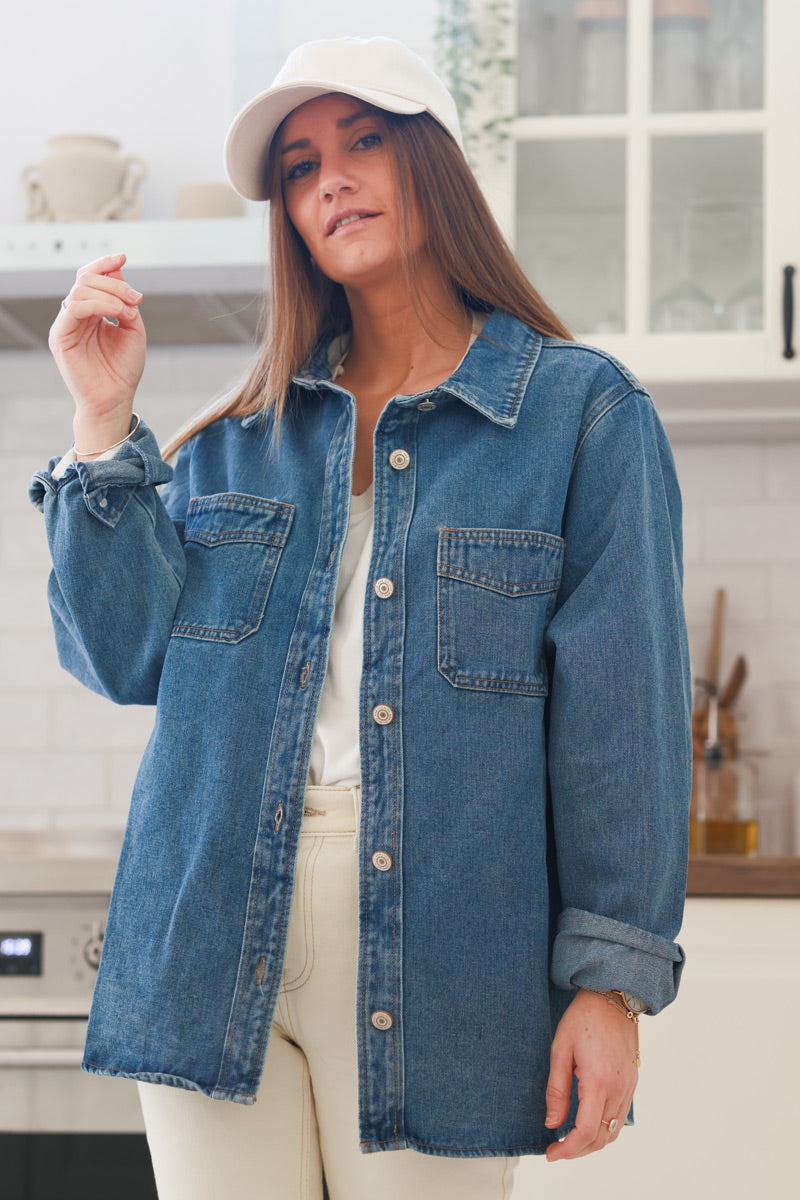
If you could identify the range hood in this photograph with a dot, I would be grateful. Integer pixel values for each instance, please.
(202, 279)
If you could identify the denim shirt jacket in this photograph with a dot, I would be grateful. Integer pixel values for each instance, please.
(524, 727)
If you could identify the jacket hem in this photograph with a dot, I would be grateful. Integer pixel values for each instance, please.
(214, 1093)
(408, 1143)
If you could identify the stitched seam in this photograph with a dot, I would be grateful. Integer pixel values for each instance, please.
(601, 408)
(309, 939)
(533, 537)
(517, 398)
(225, 1065)
(478, 577)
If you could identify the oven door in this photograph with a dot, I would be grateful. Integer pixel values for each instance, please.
(66, 1135)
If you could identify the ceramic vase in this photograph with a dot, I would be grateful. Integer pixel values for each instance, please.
(83, 178)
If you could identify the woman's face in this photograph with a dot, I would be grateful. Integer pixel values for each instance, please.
(340, 192)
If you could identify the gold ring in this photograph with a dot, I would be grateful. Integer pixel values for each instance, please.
(611, 1125)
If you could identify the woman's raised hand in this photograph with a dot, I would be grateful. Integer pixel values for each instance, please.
(101, 363)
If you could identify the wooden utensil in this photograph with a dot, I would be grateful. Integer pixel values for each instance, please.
(734, 683)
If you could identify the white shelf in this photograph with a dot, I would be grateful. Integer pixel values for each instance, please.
(39, 259)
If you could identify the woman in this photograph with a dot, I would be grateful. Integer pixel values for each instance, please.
(410, 610)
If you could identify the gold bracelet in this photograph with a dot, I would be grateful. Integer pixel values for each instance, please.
(119, 443)
(613, 998)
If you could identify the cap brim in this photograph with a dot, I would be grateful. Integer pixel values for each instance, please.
(250, 136)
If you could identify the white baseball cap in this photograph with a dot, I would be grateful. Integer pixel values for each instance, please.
(380, 70)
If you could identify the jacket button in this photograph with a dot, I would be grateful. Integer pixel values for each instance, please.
(382, 861)
(381, 1019)
(382, 714)
(384, 588)
(399, 459)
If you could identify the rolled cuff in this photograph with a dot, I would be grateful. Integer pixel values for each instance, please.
(107, 483)
(597, 953)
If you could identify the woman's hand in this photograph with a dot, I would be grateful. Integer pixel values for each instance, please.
(100, 363)
(599, 1044)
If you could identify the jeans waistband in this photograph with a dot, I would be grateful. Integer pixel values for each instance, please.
(331, 810)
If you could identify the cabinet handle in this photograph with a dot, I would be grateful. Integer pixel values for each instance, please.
(788, 311)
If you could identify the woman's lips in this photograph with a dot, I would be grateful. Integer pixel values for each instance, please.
(342, 220)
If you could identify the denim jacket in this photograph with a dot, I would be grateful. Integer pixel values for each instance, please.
(524, 727)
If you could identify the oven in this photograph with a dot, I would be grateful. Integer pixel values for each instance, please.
(64, 1135)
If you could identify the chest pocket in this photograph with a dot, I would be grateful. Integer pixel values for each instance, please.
(232, 545)
(496, 593)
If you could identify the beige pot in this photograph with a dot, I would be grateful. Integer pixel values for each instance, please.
(83, 178)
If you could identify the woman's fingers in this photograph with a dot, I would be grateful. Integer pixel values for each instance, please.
(91, 286)
(77, 308)
(100, 291)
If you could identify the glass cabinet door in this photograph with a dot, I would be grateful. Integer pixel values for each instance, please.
(639, 163)
(571, 228)
(572, 56)
(706, 268)
(707, 54)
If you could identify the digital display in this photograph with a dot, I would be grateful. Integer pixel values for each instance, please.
(20, 953)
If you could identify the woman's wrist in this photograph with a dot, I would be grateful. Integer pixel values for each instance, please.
(95, 437)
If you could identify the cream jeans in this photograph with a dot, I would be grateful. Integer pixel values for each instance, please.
(306, 1113)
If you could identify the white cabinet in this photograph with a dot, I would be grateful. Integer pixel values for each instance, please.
(718, 1101)
(651, 183)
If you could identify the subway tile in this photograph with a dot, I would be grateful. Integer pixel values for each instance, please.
(36, 428)
(784, 591)
(74, 778)
(23, 719)
(751, 533)
(25, 818)
(747, 592)
(89, 720)
(710, 474)
(29, 659)
(783, 472)
(90, 820)
(23, 600)
(15, 474)
(692, 537)
(31, 374)
(23, 542)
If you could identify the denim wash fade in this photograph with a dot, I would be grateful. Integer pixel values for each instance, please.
(524, 727)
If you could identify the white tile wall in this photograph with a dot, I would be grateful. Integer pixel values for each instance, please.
(742, 527)
(68, 758)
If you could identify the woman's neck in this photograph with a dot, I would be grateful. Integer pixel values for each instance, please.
(398, 348)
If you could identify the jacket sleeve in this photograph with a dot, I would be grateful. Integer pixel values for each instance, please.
(118, 565)
(619, 731)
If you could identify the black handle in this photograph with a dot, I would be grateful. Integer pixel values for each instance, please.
(788, 311)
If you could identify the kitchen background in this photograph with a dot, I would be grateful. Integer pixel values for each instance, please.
(165, 79)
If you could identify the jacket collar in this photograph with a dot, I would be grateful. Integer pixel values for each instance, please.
(492, 377)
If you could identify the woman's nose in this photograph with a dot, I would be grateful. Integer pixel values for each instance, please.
(335, 178)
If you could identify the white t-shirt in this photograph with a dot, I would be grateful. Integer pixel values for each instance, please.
(335, 754)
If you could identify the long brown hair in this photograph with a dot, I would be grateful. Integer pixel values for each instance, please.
(463, 241)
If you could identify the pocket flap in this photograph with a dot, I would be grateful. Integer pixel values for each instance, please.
(234, 517)
(514, 562)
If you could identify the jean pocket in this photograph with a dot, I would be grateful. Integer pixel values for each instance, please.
(232, 544)
(496, 593)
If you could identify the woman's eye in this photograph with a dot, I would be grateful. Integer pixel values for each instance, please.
(369, 141)
(299, 169)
